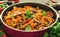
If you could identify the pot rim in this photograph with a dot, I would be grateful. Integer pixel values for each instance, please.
(32, 30)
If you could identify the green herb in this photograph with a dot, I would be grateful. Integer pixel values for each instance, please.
(4, 5)
(0, 5)
(46, 34)
(27, 28)
(1, 34)
(54, 31)
(28, 14)
(43, 13)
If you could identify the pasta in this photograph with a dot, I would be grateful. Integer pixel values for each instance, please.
(28, 18)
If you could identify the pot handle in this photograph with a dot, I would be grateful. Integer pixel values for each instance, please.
(54, 5)
(59, 13)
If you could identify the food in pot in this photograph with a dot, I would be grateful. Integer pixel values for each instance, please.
(28, 18)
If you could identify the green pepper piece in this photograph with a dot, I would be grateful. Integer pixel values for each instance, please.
(12, 15)
(0, 6)
(28, 28)
(43, 13)
(3, 6)
(28, 14)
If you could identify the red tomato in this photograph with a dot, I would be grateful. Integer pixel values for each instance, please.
(4, 35)
(1, 2)
(1, 10)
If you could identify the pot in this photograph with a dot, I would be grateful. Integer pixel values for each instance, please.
(19, 33)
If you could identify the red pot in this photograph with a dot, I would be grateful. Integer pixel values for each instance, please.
(13, 33)
(19, 33)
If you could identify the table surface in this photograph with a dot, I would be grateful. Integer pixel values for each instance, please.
(40, 1)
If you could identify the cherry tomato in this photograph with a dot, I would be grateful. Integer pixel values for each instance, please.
(1, 10)
(1, 2)
(4, 35)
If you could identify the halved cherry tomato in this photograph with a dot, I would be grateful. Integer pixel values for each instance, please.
(1, 2)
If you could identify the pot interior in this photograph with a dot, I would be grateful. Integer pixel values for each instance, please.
(41, 6)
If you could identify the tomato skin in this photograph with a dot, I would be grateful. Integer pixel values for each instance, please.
(53, 1)
(4, 35)
(1, 2)
(1, 10)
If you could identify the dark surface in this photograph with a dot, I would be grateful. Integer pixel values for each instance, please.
(9, 3)
(57, 7)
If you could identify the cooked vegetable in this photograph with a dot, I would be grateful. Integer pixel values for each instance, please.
(28, 18)
(3, 5)
(27, 28)
(28, 14)
(43, 13)
(54, 30)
